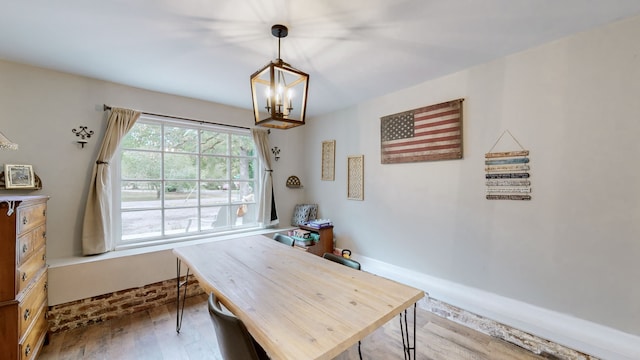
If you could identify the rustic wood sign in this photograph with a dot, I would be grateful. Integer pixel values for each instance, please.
(507, 173)
(424, 134)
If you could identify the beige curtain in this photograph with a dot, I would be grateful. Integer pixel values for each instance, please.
(96, 228)
(267, 213)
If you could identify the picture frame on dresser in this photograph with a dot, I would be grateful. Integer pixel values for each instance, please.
(19, 176)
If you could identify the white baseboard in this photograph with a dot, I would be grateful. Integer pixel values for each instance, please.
(578, 334)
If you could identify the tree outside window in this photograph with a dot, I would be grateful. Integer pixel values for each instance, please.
(180, 179)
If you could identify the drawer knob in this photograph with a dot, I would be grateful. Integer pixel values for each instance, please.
(46, 286)
(44, 212)
(27, 313)
(24, 276)
(24, 248)
(44, 234)
(27, 350)
(24, 220)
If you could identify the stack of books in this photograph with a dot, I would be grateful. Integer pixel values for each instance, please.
(319, 223)
(304, 234)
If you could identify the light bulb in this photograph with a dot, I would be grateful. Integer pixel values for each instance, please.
(268, 95)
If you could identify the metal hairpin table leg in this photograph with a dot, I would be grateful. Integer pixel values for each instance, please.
(404, 330)
(180, 307)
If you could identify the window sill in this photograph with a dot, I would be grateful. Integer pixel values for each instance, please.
(137, 249)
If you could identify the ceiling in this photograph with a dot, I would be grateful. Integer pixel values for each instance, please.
(353, 50)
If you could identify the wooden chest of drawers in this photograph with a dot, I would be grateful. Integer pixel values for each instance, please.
(23, 276)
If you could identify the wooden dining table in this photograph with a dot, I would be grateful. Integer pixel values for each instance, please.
(295, 304)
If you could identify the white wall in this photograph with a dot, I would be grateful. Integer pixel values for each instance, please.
(38, 110)
(574, 248)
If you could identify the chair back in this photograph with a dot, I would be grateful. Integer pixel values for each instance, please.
(287, 240)
(234, 341)
(342, 260)
(352, 264)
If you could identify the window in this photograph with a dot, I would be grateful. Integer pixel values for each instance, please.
(179, 179)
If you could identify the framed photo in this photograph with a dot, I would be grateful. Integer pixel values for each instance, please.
(328, 160)
(19, 176)
(355, 180)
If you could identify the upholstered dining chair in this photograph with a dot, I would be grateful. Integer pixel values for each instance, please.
(347, 262)
(287, 240)
(342, 260)
(234, 340)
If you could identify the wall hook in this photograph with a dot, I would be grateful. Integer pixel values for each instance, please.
(275, 152)
(83, 134)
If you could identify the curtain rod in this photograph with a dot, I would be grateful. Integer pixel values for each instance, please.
(107, 107)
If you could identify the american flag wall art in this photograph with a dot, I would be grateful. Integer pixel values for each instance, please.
(424, 134)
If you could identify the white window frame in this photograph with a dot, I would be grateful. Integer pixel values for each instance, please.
(115, 165)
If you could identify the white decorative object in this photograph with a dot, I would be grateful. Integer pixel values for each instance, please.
(328, 160)
(355, 182)
(6, 143)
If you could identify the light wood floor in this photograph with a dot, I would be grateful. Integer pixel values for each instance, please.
(151, 335)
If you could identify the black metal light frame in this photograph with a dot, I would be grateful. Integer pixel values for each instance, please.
(273, 88)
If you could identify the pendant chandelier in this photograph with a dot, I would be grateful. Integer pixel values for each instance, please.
(279, 91)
